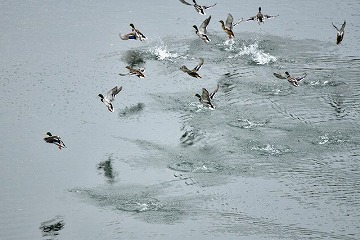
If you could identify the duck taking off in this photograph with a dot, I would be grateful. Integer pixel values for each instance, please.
(194, 71)
(49, 138)
(198, 8)
(201, 31)
(228, 26)
(135, 34)
(206, 97)
(260, 18)
(110, 97)
(340, 33)
(293, 80)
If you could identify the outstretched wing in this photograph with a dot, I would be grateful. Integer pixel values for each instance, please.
(343, 26)
(214, 92)
(301, 78)
(238, 22)
(229, 22)
(202, 28)
(269, 16)
(206, 7)
(184, 2)
(279, 76)
(112, 93)
(197, 68)
(336, 27)
(251, 18)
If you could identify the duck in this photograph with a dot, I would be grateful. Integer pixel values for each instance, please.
(194, 71)
(201, 31)
(132, 71)
(49, 138)
(198, 8)
(260, 17)
(135, 34)
(110, 97)
(340, 33)
(206, 97)
(293, 80)
(228, 26)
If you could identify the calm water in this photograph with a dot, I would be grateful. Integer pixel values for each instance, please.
(270, 162)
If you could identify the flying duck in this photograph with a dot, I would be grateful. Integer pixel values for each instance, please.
(293, 80)
(135, 34)
(193, 72)
(54, 140)
(198, 8)
(228, 26)
(201, 31)
(206, 97)
(340, 33)
(110, 97)
(132, 71)
(260, 17)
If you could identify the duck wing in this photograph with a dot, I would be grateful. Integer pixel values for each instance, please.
(279, 76)
(127, 36)
(206, 7)
(214, 92)
(197, 68)
(238, 22)
(343, 26)
(269, 16)
(112, 93)
(205, 97)
(301, 78)
(335, 27)
(229, 22)
(202, 28)
(253, 18)
(186, 3)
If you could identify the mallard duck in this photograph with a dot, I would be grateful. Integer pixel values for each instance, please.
(293, 80)
(198, 8)
(132, 71)
(206, 97)
(110, 97)
(201, 31)
(135, 34)
(54, 140)
(340, 33)
(193, 72)
(228, 26)
(260, 17)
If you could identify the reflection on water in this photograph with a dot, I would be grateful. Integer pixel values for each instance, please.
(51, 228)
(107, 168)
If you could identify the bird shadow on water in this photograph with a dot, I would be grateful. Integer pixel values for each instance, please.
(51, 229)
(107, 168)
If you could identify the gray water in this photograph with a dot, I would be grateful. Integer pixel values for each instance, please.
(272, 161)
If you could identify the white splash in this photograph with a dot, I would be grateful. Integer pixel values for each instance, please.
(257, 55)
(161, 52)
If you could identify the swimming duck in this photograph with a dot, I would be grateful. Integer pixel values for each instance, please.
(260, 17)
(340, 33)
(54, 140)
(110, 97)
(198, 8)
(293, 80)
(135, 34)
(193, 72)
(228, 26)
(201, 31)
(206, 97)
(132, 71)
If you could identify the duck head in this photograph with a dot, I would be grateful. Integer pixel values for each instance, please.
(101, 97)
(49, 134)
(132, 25)
(196, 28)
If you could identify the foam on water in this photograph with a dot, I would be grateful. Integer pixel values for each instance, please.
(162, 53)
(256, 54)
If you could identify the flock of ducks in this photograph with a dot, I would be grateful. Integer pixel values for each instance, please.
(205, 98)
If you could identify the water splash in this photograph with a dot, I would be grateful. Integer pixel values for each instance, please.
(162, 53)
(257, 55)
